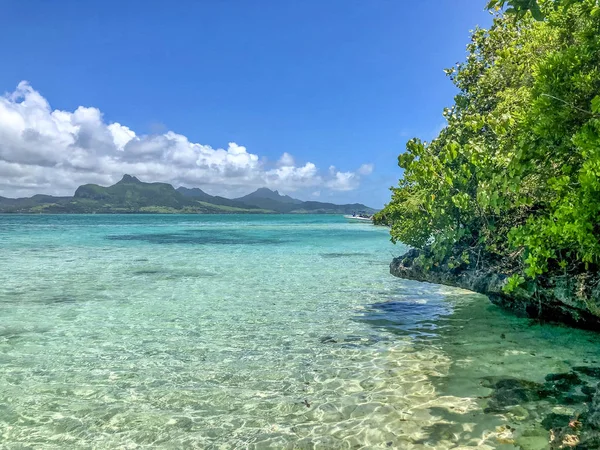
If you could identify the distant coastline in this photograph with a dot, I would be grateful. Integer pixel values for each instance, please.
(132, 196)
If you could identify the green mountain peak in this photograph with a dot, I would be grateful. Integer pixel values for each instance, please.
(129, 179)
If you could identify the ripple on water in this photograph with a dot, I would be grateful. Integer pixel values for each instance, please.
(262, 332)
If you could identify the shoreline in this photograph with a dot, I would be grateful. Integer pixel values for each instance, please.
(560, 300)
(562, 388)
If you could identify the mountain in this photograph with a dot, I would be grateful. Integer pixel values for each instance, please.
(200, 195)
(30, 203)
(268, 194)
(273, 200)
(331, 208)
(131, 195)
(196, 193)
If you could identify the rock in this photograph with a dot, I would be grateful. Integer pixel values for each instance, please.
(328, 340)
(581, 431)
(593, 372)
(573, 399)
(553, 420)
(518, 413)
(592, 419)
(511, 391)
(561, 382)
(588, 391)
(573, 300)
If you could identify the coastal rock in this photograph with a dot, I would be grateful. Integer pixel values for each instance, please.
(571, 300)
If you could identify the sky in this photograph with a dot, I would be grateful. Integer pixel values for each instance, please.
(315, 98)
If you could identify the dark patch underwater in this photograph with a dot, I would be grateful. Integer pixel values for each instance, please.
(198, 237)
(173, 274)
(344, 254)
(407, 317)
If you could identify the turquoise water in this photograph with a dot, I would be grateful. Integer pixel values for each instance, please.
(232, 331)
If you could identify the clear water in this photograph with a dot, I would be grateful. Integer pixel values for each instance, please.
(252, 332)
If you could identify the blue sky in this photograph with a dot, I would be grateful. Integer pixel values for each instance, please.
(339, 83)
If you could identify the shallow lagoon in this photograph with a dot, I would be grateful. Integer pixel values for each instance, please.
(258, 332)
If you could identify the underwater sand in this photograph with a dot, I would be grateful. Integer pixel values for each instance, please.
(176, 331)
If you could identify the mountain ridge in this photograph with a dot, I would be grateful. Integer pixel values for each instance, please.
(130, 195)
(200, 195)
(266, 193)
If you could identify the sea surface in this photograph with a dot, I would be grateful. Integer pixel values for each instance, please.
(252, 331)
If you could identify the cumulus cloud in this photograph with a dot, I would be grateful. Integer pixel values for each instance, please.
(366, 169)
(53, 151)
(286, 160)
(343, 181)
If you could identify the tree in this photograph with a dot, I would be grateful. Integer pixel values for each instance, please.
(521, 7)
(514, 178)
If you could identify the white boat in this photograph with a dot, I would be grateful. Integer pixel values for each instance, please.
(358, 218)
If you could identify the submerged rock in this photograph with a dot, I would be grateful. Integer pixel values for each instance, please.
(592, 419)
(568, 299)
(328, 340)
(559, 383)
(554, 420)
(511, 392)
(593, 372)
(575, 426)
(581, 432)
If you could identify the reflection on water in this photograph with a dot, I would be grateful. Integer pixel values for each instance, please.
(191, 331)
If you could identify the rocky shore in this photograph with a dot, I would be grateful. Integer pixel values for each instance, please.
(573, 300)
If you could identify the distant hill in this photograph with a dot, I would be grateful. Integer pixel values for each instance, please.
(273, 200)
(267, 194)
(268, 199)
(30, 203)
(331, 208)
(200, 195)
(131, 195)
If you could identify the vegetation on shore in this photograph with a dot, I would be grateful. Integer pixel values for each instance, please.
(513, 180)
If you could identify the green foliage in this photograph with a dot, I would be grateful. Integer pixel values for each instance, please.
(514, 282)
(519, 7)
(596, 104)
(522, 7)
(514, 177)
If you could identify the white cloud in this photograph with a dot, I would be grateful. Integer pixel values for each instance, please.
(366, 169)
(121, 134)
(286, 160)
(294, 177)
(52, 151)
(343, 181)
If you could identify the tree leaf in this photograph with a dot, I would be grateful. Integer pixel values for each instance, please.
(596, 104)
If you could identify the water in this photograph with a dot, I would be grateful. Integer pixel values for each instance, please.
(254, 332)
